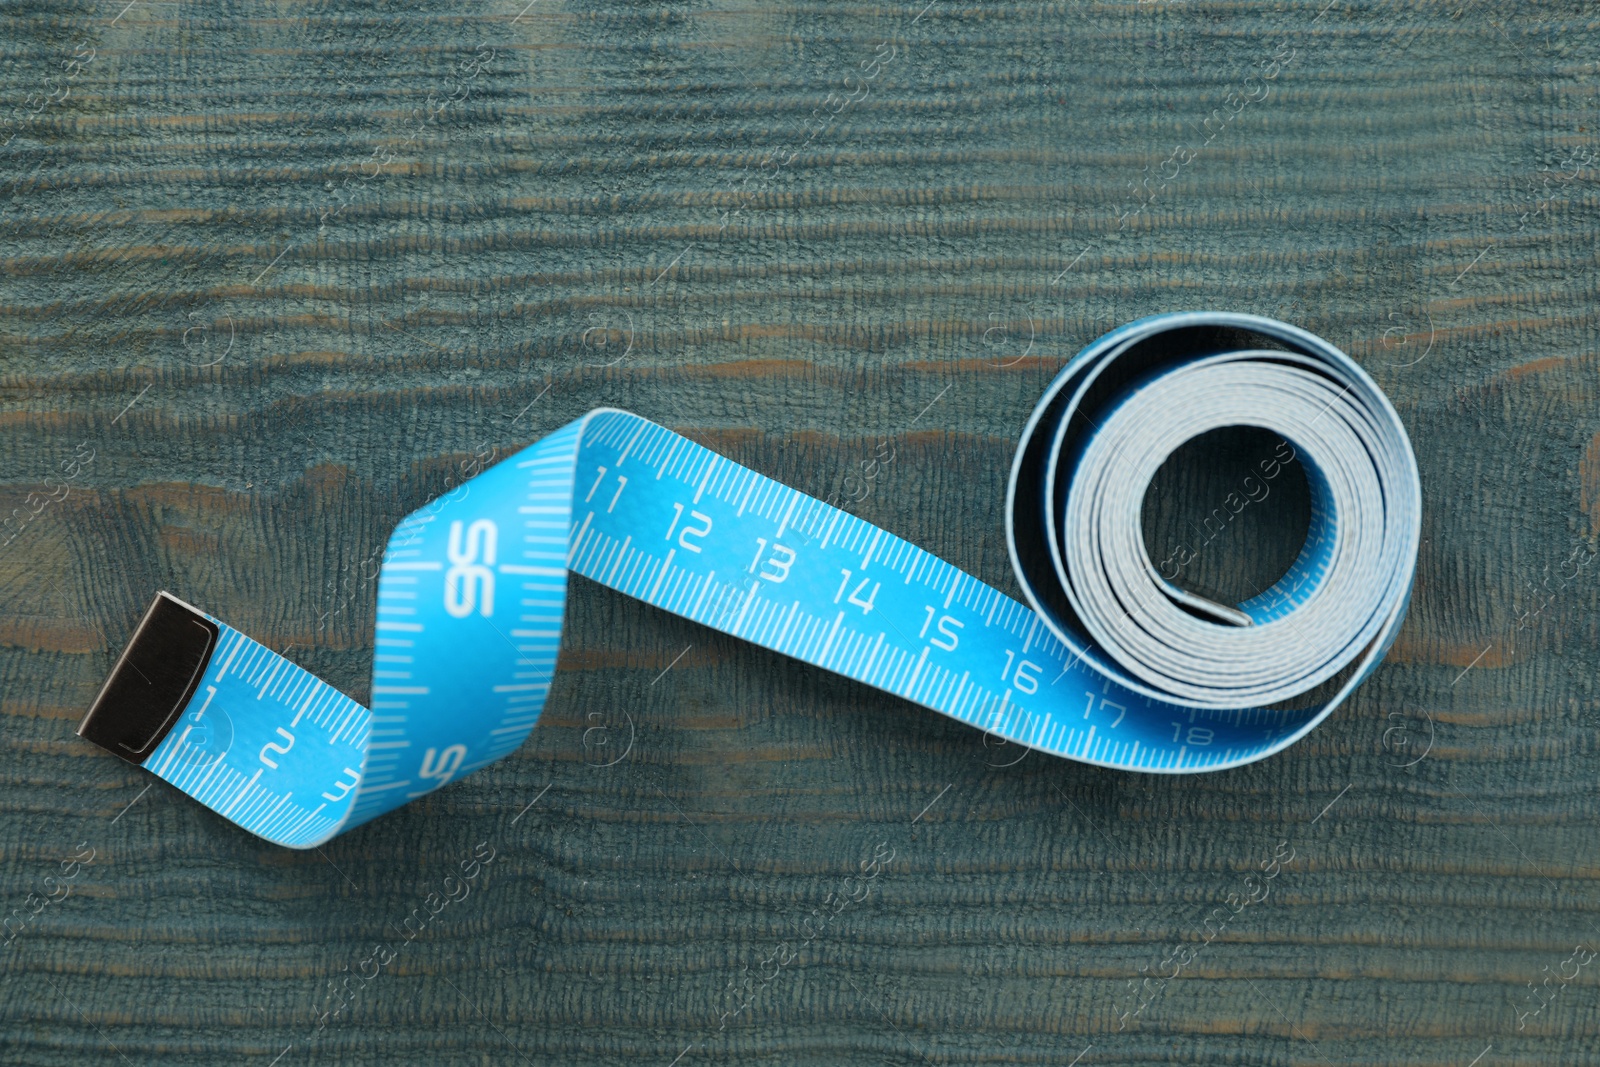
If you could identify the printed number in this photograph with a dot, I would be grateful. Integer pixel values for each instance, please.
(950, 639)
(855, 594)
(343, 786)
(469, 584)
(780, 567)
(273, 746)
(1105, 705)
(598, 478)
(1198, 735)
(688, 531)
(1026, 680)
(622, 483)
(442, 765)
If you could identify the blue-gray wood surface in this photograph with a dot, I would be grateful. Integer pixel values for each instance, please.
(273, 273)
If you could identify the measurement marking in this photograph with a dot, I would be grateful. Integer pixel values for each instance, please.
(385, 787)
(414, 566)
(1331, 803)
(666, 464)
(244, 791)
(823, 655)
(673, 664)
(931, 803)
(955, 701)
(666, 565)
(789, 622)
(1474, 662)
(274, 263)
(911, 686)
(349, 716)
(622, 554)
(578, 540)
(623, 458)
(932, 402)
(871, 548)
(541, 572)
(531, 803)
(866, 672)
(705, 589)
(836, 516)
(143, 391)
(131, 803)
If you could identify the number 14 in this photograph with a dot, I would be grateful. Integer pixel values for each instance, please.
(855, 594)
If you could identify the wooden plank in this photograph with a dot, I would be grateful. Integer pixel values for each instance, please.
(272, 271)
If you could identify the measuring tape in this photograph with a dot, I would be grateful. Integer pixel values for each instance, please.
(1109, 662)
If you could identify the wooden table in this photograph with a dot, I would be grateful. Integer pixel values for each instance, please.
(272, 272)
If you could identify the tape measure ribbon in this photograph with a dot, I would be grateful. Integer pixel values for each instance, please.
(471, 599)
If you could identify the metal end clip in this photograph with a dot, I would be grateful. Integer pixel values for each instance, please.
(153, 680)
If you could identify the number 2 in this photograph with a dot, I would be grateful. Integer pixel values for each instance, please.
(273, 746)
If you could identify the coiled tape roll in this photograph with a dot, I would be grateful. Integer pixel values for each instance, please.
(1109, 663)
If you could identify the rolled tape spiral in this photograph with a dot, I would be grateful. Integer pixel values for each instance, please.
(1108, 663)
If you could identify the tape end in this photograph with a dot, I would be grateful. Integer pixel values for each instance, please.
(152, 681)
(1208, 609)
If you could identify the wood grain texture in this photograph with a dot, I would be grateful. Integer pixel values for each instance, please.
(272, 272)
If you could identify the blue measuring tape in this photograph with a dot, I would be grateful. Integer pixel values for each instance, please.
(1109, 662)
